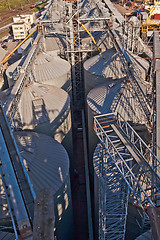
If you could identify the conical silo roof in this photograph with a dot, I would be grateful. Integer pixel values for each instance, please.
(45, 159)
(107, 65)
(42, 107)
(104, 98)
(51, 70)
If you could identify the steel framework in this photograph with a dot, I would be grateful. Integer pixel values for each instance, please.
(113, 197)
(129, 161)
(74, 52)
(131, 156)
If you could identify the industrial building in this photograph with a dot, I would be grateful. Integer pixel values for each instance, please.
(79, 136)
(22, 24)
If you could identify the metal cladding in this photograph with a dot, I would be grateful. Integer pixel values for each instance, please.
(141, 64)
(2, 54)
(103, 99)
(145, 236)
(156, 48)
(13, 70)
(103, 82)
(46, 109)
(4, 210)
(47, 163)
(156, 54)
(45, 159)
(102, 68)
(52, 70)
(51, 45)
(7, 235)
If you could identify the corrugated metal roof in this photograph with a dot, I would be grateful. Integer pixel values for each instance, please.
(7, 236)
(46, 160)
(51, 44)
(42, 103)
(47, 68)
(104, 98)
(142, 64)
(106, 65)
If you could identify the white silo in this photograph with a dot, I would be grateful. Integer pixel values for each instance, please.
(44, 109)
(99, 69)
(47, 164)
(52, 70)
(100, 100)
(105, 68)
(107, 89)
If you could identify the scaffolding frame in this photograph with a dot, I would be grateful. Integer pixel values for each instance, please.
(113, 198)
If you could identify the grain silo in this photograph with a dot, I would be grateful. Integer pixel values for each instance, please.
(107, 89)
(52, 70)
(47, 163)
(100, 100)
(102, 68)
(44, 109)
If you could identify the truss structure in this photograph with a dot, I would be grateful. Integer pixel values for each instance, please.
(113, 198)
(74, 53)
(134, 160)
(80, 43)
(128, 168)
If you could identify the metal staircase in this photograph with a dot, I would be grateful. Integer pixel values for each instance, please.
(130, 156)
(113, 197)
(19, 191)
